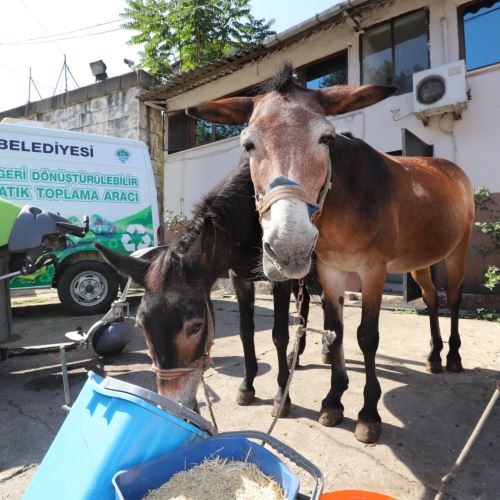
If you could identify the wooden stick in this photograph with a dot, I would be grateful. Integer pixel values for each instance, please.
(468, 445)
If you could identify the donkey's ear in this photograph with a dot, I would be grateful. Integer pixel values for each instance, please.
(344, 98)
(208, 241)
(131, 267)
(230, 111)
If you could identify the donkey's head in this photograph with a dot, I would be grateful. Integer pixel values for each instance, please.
(287, 142)
(176, 317)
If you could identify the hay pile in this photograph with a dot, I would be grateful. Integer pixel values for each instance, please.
(219, 478)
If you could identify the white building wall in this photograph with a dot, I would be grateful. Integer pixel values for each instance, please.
(381, 125)
(192, 173)
(473, 142)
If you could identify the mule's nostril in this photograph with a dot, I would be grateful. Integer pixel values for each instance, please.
(269, 251)
(283, 260)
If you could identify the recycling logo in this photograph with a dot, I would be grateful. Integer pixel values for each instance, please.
(122, 155)
(135, 238)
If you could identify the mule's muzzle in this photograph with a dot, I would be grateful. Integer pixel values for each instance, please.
(276, 272)
(288, 240)
(181, 389)
(287, 214)
(285, 266)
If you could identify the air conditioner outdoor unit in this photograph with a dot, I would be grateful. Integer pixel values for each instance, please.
(440, 90)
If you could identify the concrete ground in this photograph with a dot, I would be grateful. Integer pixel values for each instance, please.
(427, 418)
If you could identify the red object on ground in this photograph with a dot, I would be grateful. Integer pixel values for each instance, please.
(355, 495)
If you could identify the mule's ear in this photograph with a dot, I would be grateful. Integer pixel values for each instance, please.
(230, 111)
(344, 98)
(131, 267)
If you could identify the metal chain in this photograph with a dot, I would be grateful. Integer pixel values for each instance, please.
(300, 330)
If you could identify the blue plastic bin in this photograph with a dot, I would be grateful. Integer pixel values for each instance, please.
(136, 482)
(106, 431)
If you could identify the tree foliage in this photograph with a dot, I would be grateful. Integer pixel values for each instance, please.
(189, 33)
(491, 228)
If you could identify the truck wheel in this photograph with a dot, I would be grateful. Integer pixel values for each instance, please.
(87, 287)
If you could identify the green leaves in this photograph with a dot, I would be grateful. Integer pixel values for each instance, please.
(190, 33)
(492, 276)
(490, 228)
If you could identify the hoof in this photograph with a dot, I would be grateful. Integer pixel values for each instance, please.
(368, 432)
(289, 361)
(244, 398)
(284, 412)
(434, 366)
(454, 366)
(330, 416)
(326, 359)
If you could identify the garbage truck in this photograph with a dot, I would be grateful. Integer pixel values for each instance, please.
(74, 174)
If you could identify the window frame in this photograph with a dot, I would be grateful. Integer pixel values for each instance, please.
(391, 22)
(461, 33)
(301, 76)
(301, 70)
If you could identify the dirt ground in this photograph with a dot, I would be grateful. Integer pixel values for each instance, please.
(427, 418)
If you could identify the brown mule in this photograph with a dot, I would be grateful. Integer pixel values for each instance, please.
(382, 214)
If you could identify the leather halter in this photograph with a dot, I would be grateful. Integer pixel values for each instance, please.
(297, 192)
(201, 363)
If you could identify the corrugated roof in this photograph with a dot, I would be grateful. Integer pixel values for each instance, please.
(193, 78)
(187, 80)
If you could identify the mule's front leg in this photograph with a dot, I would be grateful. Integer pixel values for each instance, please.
(369, 424)
(245, 294)
(333, 283)
(281, 296)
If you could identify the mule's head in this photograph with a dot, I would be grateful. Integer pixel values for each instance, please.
(288, 143)
(176, 317)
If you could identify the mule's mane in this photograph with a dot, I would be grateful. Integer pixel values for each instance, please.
(229, 207)
(283, 81)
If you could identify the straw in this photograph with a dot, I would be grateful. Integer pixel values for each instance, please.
(219, 478)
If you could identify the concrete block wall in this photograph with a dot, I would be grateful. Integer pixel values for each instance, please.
(109, 108)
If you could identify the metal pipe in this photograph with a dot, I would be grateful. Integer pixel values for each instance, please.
(313, 21)
(64, 370)
(445, 39)
(123, 296)
(10, 275)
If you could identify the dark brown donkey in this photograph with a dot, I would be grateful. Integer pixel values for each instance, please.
(176, 313)
(382, 214)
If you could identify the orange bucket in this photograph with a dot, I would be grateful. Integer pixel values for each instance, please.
(355, 495)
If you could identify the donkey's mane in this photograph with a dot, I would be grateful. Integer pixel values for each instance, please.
(229, 207)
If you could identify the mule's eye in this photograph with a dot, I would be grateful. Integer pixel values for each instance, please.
(194, 329)
(248, 146)
(326, 139)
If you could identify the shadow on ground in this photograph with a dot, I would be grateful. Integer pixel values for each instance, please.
(435, 426)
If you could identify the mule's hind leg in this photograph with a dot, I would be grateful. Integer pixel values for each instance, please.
(245, 294)
(429, 293)
(455, 270)
(304, 312)
(333, 283)
(281, 296)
